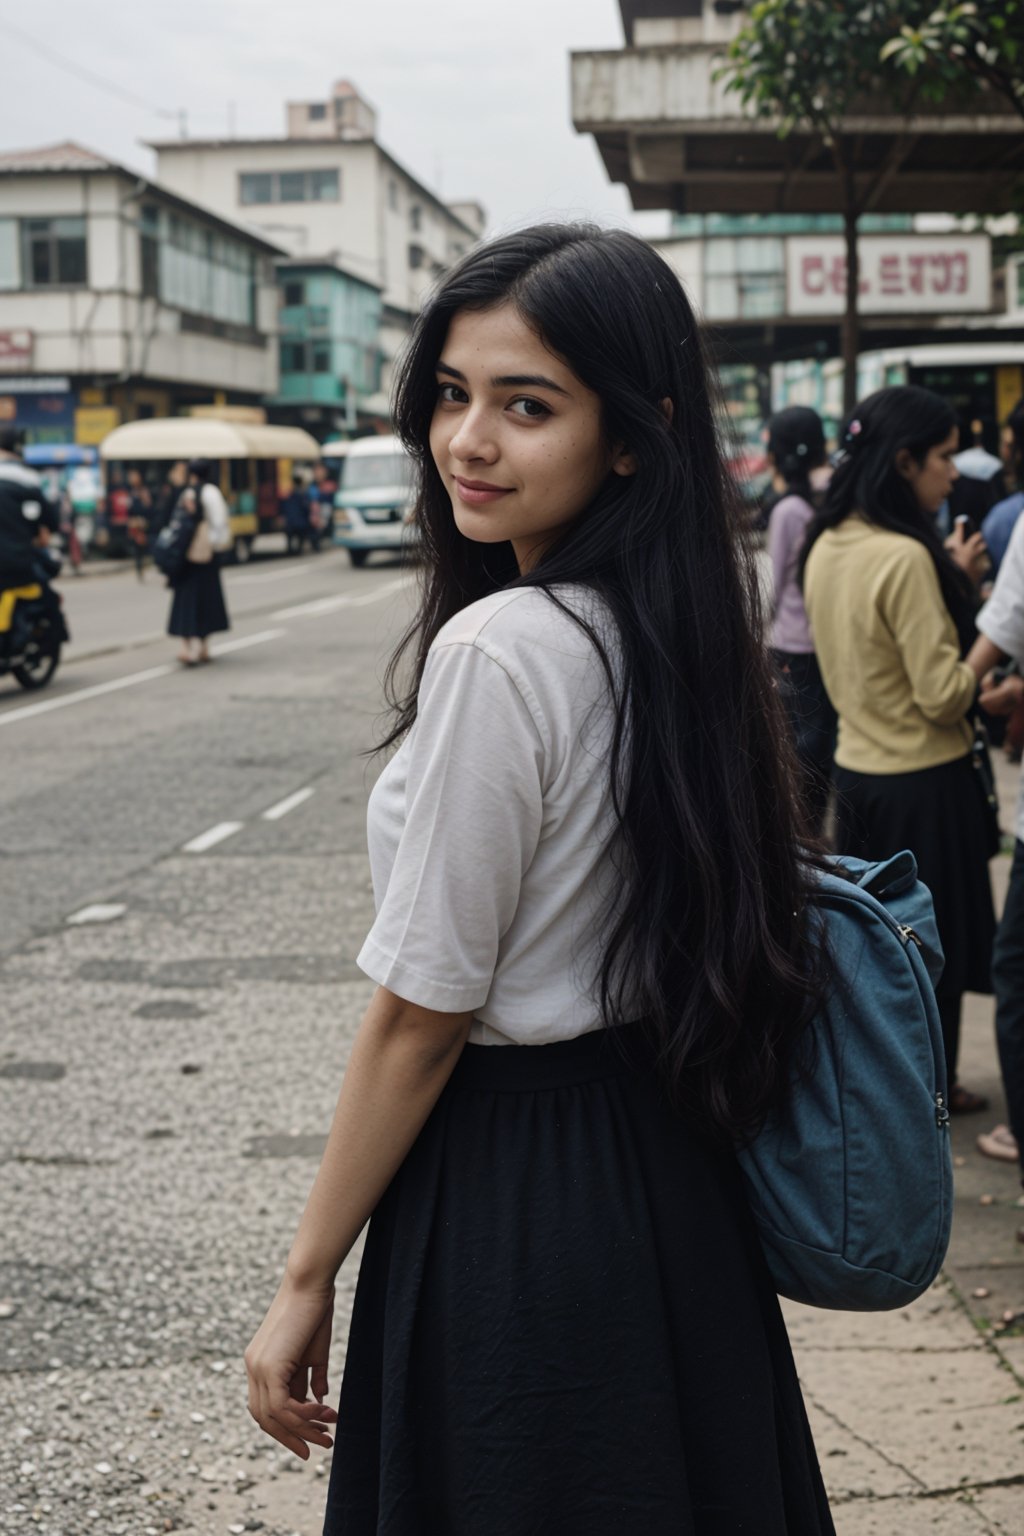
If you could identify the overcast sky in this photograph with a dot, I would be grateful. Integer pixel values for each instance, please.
(471, 95)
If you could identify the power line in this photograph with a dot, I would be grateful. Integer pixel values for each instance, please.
(82, 73)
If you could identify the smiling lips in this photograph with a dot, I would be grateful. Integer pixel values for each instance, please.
(478, 492)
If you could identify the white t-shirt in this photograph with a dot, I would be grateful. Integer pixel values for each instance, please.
(1002, 618)
(490, 828)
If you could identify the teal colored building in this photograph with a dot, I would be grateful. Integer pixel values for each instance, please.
(329, 348)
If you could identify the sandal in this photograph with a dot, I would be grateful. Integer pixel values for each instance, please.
(1000, 1143)
(963, 1102)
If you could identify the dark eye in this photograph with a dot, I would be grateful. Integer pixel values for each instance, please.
(448, 393)
(535, 409)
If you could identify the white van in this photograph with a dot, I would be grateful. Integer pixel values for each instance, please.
(373, 505)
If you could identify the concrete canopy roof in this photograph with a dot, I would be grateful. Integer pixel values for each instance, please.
(675, 137)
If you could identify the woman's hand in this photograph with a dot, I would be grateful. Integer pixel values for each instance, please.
(1001, 698)
(286, 1361)
(970, 553)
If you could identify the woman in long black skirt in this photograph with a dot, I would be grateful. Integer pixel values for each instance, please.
(590, 954)
(893, 616)
(198, 609)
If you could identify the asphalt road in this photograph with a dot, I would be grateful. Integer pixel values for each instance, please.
(177, 995)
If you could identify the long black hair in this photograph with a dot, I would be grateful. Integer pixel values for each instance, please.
(867, 481)
(709, 942)
(796, 442)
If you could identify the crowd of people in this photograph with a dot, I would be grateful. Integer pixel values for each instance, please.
(898, 638)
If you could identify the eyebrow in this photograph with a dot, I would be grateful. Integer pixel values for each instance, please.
(513, 380)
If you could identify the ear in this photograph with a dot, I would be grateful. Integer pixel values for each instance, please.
(905, 464)
(668, 410)
(623, 463)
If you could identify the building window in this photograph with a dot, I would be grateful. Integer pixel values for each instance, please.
(53, 253)
(317, 111)
(324, 186)
(321, 186)
(10, 266)
(306, 357)
(416, 217)
(416, 257)
(293, 357)
(294, 293)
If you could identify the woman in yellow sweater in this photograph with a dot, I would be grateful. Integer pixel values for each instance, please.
(892, 611)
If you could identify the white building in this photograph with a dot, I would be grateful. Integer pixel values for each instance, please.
(119, 299)
(329, 191)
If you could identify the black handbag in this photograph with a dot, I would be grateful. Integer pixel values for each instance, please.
(981, 762)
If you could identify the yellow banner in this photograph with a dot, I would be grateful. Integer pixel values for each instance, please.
(93, 422)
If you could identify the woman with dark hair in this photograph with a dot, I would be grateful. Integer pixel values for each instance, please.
(1001, 521)
(590, 952)
(796, 448)
(892, 611)
(198, 609)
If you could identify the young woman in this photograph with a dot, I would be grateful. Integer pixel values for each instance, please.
(198, 609)
(590, 955)
(893, 614)
(796, 448)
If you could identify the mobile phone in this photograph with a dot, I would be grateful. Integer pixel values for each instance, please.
(968, 524)
(1000, 674)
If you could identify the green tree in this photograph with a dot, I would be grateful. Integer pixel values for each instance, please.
(805, 64)
(979, 46)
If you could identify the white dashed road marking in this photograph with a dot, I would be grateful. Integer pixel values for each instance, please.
(99, 912)
(212, 836)
(284, 806)
(43, 708)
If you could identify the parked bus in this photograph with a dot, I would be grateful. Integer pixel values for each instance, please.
(256, 464)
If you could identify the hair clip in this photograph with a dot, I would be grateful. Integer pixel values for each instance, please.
(854, 429)
(801, 449)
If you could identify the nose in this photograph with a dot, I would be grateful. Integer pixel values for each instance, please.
(473, 439)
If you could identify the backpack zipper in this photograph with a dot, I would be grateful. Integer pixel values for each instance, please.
(906, 934)
(941, 1112)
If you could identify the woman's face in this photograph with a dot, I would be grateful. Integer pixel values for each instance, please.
(516, 437)
(932, 480)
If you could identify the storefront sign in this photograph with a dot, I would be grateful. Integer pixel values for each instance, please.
(15, 350)
(46, 417)
(899, 274)
(93, 422)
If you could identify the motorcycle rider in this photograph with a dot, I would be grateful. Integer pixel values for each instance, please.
(27, 521)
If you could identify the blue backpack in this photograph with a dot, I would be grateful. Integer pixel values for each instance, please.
(851, 1185)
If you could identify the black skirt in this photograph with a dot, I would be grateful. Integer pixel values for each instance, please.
(198, 608)
(940, 815)
(564, 1325)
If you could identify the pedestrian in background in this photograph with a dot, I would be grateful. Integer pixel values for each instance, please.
(796, 448)
(564, 1322)
(139, 509)
(296, 514)
(198, 609)
(1001, 521)
(167, 496)
(1001, 640)
(892, 611)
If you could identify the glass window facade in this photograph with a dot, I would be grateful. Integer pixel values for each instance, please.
(319, 186)
(330, 350)
(192, 268)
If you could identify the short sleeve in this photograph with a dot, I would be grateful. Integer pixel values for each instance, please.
(473, 814)
(1002, 618)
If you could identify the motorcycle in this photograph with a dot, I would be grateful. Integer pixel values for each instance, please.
(32, 626)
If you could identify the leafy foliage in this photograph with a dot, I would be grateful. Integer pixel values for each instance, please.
(805, 62)
(980, 45)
